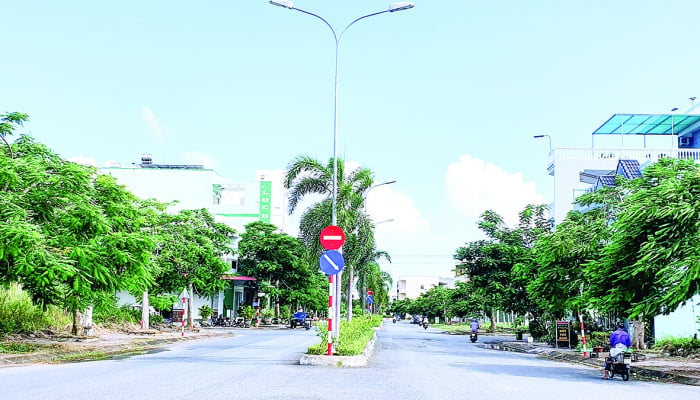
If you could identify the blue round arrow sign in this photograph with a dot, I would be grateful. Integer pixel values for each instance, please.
(331, 262)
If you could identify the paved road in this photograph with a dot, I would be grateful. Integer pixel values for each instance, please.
(409, 363)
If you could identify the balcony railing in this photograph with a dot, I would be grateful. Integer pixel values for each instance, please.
(640, 154)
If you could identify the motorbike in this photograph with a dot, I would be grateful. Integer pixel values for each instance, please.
(620, 365)
(394, 320)
(473, 337)
(300, 319)
(425, 324)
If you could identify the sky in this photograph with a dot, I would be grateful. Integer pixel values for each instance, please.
(444, 98)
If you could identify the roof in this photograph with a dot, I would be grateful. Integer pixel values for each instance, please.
(629, 169)
(649, 124)
(607, 180)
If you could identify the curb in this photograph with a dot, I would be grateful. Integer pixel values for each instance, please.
(342, 361)
(637, 371)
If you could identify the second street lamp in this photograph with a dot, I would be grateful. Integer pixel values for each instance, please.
(288, 4)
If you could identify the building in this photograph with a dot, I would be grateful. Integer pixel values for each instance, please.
(630, 142)
(412, 286)
(233, 204)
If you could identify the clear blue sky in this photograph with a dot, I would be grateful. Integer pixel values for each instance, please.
(443, 98)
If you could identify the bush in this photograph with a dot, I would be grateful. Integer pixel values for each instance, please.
(18, 313)
(108, 312)
(58, 319)
(285, 312)
(205, 312)
(681, 347)
(354, 336)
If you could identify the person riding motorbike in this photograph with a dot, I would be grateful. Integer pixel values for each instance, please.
(619, 342)
(474, 326)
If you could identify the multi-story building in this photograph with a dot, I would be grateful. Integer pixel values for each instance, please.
(234, 204)
(631, 141)
(412, 286)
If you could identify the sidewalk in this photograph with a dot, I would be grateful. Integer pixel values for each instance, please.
(663, 369)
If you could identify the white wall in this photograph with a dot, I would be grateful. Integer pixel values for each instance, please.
(683, 322)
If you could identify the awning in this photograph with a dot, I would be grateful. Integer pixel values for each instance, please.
(238, 278)
(649, 124)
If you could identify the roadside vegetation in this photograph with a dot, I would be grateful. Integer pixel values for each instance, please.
(354, 336)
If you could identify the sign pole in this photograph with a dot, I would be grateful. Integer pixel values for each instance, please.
(331, 289)
(331, 263)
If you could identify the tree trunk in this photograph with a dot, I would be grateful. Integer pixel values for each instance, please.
(492, 317)
(638, 338)
(351, 278)
(277, 299)
(78, 324)
(145, 314)
(189, 308)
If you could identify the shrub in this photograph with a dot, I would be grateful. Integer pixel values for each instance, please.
(107, 311)
(354, 336)
(18, 313)
(205, 312)
(285, 312)
(681, 347)
(58, 319)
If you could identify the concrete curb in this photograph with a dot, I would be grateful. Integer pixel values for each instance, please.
(639, 372)
(342, 361)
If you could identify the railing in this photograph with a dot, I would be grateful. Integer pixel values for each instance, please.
(640, 154)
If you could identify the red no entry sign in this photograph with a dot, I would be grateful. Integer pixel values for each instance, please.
(332, 237)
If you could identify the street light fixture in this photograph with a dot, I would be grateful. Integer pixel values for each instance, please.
(288, 4)
(549, 138)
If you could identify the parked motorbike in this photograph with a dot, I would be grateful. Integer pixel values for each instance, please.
(473, 337)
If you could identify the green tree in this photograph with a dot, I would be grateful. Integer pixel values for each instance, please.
(651, 265)
(190, 245)
(306, 177)
(281, 265)
(8, 123)
(557, 280)
(69, 234)
(493, 264)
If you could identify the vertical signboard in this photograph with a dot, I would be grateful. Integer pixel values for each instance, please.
(562, 334)
(265, 201)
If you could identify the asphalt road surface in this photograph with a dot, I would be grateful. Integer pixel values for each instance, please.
(409, 363)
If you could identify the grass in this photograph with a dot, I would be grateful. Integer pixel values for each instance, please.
(20, 348)
(85, 356)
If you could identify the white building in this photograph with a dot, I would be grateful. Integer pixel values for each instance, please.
(234, 204)
(643, 138)
(412, 286)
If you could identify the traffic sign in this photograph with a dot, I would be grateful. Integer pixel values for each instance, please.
(370, 299)
(332, 237)
(331, 262)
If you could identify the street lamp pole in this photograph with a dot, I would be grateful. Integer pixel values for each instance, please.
(399, 6)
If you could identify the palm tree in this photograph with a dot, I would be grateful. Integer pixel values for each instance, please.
(307, 176)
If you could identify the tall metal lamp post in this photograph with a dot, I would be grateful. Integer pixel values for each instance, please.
(393, 7)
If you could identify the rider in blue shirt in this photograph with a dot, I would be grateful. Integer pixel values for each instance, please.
(619, 340)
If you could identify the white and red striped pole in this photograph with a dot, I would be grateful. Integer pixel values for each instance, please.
(331, 290)
(182, 329)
